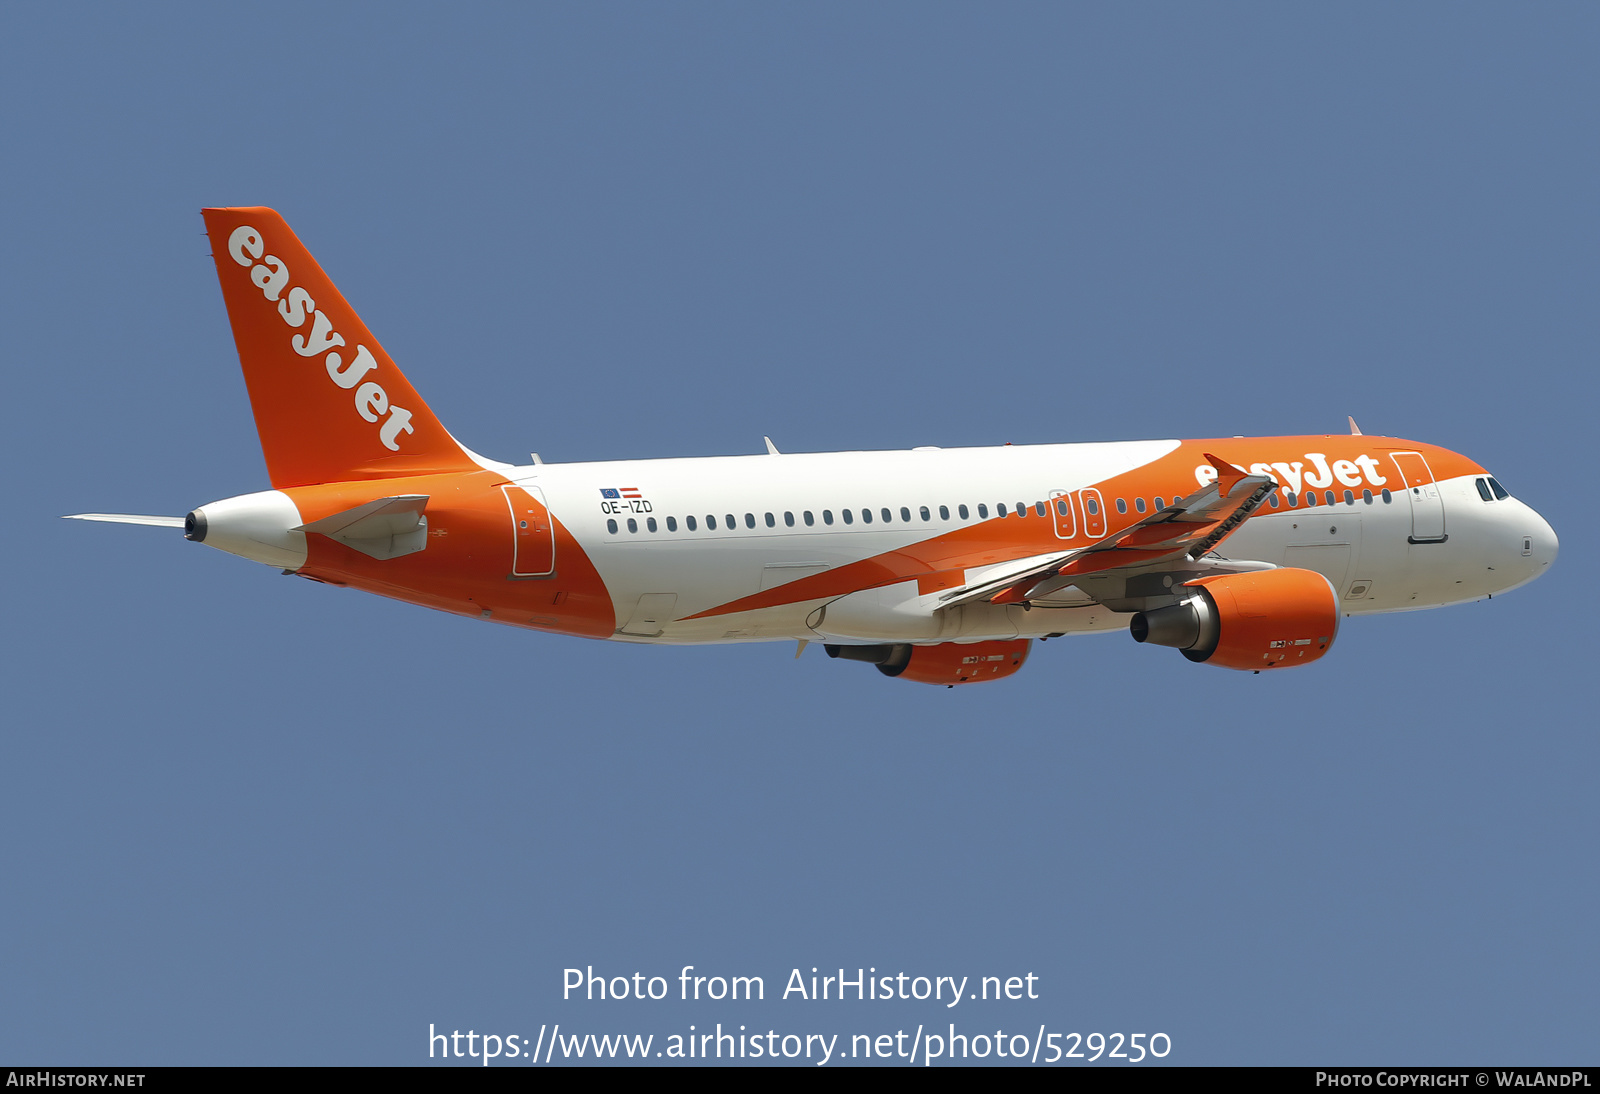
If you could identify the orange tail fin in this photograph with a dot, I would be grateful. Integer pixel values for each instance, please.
(330, 404)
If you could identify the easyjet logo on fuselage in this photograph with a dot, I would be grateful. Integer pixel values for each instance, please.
(1296, 476)
(271, 275)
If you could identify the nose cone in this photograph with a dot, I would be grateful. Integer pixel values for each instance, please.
(1533, 542)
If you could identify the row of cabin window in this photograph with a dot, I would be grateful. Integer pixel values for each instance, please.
(1294, 500)
(1001, 510)
(809, 519)
(1328, 498)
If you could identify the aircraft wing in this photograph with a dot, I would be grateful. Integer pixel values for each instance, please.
(1184, 529)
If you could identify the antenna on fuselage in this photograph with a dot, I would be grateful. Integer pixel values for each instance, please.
(1355, 430)
(772, 449)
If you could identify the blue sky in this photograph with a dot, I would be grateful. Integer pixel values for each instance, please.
(250, 819)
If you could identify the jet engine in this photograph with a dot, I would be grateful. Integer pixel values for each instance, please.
(948, 663)
(1261, 620)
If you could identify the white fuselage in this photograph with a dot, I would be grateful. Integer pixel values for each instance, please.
(787, 516)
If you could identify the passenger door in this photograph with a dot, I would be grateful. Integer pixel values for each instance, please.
(1427, 507)
(533, 534)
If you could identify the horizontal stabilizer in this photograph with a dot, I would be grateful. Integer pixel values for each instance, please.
(384, 529)
(128, 518)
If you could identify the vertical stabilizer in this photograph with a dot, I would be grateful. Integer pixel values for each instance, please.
(329, 403)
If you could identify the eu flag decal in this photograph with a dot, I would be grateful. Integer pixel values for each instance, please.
(608, 492)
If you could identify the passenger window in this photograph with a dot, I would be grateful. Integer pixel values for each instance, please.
(866, 516)
(690, 522)
(961, 511)
(1272, 499)
(711, 523)
(1093, 505)
(1292, 499)
(1387, 497)
(633, 525)
(749, 520)
(1038, 507)
(983, 512)
(788, 520)
(827, 517)
(888, 517)
(944, 513)
(849, 516)
(808, 518)
(611, 526)
(1311, 497)
(1327, 496)
(1138, 503)
(732, 524)
(1156, 501)
(1349, 498)
(924, 513)
(770, 522)
(672, 523)
(1061, 506)
(905, 514)
(1499, 491)
(650, 523)
(1000, 510)
(1122, 505)
(1022, 509)
(1366, 496)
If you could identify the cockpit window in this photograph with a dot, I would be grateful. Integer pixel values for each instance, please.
(1483, 489)
(1499, 491)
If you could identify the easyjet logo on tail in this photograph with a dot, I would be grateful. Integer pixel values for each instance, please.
(271, 275)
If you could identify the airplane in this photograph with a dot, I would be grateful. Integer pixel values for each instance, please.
(936, 565)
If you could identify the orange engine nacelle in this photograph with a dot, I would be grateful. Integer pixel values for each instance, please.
(947, 663)
(1267, 619)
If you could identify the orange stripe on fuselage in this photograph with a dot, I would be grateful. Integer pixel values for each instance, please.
(1172, 477)
(467, 564)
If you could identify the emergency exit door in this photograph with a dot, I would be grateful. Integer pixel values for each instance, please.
(1094, 513)
(1061, 509)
